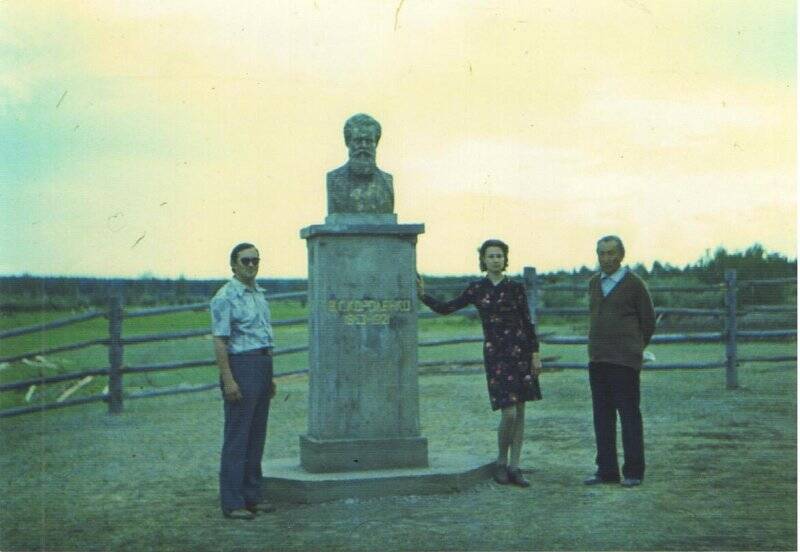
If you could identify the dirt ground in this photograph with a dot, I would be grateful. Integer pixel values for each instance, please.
(721, 475)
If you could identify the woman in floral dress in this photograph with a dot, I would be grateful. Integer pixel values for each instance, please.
(510, 351)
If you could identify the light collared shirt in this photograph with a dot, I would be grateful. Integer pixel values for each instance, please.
(609, 281)
(242, 315)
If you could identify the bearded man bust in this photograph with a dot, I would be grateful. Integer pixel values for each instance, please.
(359, 186)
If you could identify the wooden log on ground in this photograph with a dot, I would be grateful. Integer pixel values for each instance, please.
(52, 379)
(65, 395)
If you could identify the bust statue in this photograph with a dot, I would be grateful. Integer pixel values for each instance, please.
(359, 186)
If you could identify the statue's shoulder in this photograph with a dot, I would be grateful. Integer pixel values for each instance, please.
(340, 173)
(337, 180)
(385, 176)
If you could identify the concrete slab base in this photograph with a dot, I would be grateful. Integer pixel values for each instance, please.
(343, 455)
(286, 481)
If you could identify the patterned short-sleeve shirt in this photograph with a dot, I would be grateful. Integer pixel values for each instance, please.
(242, 315)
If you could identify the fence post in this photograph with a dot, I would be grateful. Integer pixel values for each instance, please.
(531, 290)
(115, 352)
(731, 376)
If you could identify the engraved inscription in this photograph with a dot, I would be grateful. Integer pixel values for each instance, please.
(367, 312)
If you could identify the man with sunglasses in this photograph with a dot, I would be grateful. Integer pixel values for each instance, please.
(243, 342)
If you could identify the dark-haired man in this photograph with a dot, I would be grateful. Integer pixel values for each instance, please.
(243, 342)
(621, 323)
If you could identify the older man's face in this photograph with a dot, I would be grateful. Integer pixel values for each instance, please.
(609, 256)
(361, 149)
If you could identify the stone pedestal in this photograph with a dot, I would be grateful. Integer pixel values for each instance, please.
(363, 394)
(285, 481)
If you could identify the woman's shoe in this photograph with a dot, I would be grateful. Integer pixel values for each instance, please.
(515, 477)
(501, 474)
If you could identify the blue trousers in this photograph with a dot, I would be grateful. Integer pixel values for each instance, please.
(615, 389)
(245, 431)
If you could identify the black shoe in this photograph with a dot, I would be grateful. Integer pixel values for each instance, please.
(501, 474)
(515, 477)
(631, 482)
(262, 507)
(241, 513)
(597, 480)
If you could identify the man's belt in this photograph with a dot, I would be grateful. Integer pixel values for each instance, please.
(265, 351)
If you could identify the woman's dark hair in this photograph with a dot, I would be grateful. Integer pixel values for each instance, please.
(236, 250)
(492, 243)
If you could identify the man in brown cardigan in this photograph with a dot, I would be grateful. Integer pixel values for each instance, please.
(621, 322)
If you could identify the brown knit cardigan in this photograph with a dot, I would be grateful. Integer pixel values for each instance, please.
(622, 323)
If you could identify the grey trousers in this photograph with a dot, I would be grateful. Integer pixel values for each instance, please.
(245, 432)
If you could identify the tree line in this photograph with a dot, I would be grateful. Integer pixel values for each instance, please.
(27, 293)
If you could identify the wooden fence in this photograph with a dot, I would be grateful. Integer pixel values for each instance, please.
(115, 342)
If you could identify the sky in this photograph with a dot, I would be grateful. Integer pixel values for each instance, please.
(148, 137)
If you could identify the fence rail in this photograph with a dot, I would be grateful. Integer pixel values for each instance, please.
(53, 350)
(52, 325)
(16, 411)
(115, 341)
(770, 309)
(771, 281)
(166, 310)
(204, 305)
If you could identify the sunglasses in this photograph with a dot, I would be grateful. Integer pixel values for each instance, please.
(248, 261)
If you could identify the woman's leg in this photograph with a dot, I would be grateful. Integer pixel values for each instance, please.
(514, 473)
(505, 433)
(517, 434)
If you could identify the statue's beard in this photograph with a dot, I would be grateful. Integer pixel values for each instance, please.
(362, 163)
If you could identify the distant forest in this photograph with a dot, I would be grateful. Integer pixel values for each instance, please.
(27, 293)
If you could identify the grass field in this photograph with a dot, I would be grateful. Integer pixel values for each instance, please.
(721, 464)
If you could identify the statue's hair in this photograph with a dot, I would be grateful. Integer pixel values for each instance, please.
(361, 119)
(614, 239)
(492, 243)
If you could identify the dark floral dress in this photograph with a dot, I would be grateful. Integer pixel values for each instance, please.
(509, 338)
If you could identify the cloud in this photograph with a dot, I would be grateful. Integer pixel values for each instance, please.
(545, 123)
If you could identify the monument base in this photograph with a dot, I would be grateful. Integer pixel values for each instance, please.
(346, 219)
(285, 481)
(345, 455)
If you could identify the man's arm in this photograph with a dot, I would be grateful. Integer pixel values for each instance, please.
(230, 389)
(647, 314)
